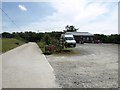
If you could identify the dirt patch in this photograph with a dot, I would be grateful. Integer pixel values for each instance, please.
(68, 52)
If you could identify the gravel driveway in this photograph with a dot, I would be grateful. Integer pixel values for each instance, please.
(96, 66)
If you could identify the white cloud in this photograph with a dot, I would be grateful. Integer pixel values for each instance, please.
(109, 25)
(22, 8)
(79, 13)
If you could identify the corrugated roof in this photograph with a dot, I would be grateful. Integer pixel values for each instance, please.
(80, 33)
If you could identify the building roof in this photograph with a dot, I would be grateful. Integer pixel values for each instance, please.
(80, 33)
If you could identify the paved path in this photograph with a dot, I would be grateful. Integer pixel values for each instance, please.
(27, 67)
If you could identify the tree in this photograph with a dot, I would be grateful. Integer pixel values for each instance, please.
(47, 39)
(7, 35)
(70, 28)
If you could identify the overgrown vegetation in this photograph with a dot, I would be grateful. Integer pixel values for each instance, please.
(10, 43)
(50, 44)
(51, 39)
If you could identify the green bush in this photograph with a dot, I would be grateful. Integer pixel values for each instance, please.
(50, 46)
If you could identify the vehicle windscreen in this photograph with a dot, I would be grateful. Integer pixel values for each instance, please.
(69, 38)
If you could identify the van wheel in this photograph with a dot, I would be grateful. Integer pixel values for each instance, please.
(65, 46)
(74, 45)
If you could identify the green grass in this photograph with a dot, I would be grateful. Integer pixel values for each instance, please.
(10, 43)
(0, 45)
(41, 45)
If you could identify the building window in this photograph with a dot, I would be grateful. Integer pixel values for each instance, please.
(87, 38)
(83, 38)
(91, 38)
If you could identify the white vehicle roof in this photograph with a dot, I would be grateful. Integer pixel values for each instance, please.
(68, 35)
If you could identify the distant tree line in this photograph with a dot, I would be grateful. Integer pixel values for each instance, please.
(32, 36)
(113, 38)
(36, 37)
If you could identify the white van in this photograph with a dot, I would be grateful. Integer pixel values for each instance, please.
(68, 40)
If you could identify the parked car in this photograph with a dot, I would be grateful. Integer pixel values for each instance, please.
(68, 40)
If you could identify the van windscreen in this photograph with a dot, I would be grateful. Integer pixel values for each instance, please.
(69, 38)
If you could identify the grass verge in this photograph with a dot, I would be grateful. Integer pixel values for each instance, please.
(10, 43)
(41, 45)
(0, 45)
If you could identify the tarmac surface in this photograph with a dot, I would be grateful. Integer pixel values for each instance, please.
(96, 66)
(26, 67)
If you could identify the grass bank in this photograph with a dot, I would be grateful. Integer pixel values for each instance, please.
(41, 45)
(10, 43)
(0, 45)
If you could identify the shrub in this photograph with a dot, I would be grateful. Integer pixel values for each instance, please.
(50, 48)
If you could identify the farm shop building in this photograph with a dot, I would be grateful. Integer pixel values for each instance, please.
(82, 37)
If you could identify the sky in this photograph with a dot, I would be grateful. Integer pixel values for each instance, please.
(94, 16)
